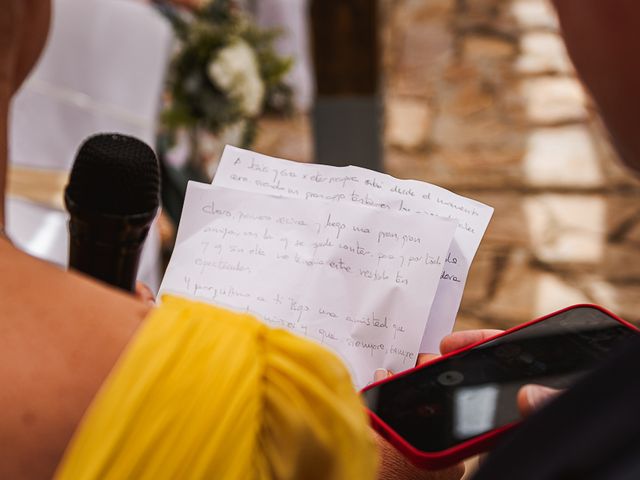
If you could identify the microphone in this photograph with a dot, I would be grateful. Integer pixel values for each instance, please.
(112, 196)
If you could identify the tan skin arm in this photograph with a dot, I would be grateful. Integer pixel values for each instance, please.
(60, 333)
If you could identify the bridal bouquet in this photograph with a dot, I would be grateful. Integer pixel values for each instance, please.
(225, 72)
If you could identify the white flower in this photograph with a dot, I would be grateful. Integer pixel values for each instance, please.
(235, 71)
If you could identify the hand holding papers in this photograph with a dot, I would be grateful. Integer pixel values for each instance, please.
(337, 261)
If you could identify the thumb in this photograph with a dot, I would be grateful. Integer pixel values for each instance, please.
(381, 374)
(534, 397)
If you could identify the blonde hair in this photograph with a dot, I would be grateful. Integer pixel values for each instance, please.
(206, 393)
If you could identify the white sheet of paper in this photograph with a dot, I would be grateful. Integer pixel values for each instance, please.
(355, 280)
(250, 171)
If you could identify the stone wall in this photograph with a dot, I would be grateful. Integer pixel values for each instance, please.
(481, 99)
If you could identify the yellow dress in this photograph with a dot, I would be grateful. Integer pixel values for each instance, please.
(204, 393)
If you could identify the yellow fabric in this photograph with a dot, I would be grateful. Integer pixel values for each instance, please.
(204, 393)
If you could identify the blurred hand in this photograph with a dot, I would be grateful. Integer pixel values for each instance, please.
(144, 294)
(11, 21)
(530, 397)
(23, 32)
(394, 466)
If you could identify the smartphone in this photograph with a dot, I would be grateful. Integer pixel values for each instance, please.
(458, 405)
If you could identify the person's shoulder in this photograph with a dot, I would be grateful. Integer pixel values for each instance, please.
(61, 335)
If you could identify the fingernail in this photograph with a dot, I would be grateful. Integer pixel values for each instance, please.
(380, 374)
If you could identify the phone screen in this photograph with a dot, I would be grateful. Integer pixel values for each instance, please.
(471, 393)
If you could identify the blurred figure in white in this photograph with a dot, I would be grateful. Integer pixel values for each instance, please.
(102, 71)
(292, 17)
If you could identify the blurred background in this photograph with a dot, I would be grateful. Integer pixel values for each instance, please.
(476, 96)
(480, 98)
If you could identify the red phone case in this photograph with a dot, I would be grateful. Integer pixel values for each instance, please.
(481, 443)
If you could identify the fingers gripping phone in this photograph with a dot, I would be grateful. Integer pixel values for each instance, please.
(458, 405)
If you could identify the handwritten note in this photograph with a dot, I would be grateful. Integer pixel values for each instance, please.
(356, 281)
(250, 171)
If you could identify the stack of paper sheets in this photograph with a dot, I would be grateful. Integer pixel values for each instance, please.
(370, 266)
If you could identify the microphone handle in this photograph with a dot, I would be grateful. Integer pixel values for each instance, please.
(108, 248)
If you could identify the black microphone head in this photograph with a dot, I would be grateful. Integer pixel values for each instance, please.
(114, 174)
